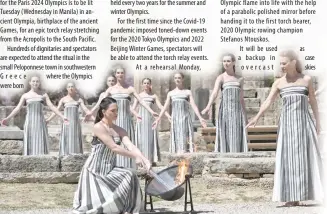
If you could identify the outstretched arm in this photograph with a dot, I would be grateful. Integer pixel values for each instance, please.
(242, 100)
(101, 97)
(196, 110)
(84, 108)
(165, 107)
(88, 113)
(270, 99)
(135, 104)
(158, 103)
(131, 147)
(133, 109)
(313, 103)
(60, 104)
(52, 107)
(214, 94)
(142, 102)
(16, 109)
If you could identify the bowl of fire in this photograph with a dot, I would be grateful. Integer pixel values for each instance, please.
(168, 183)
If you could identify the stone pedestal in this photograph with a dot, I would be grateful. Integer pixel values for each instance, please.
(11, 140)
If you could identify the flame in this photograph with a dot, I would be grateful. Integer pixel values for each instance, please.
(183, 167)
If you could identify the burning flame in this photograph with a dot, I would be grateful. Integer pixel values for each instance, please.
(183, 167)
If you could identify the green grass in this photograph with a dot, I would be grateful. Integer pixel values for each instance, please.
(60, 196)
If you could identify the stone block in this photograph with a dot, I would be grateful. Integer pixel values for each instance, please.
(17, 163)
(11, 147)
(252, 110)
(40, 177)
(251, 175)
(240, 165)
(270, 121)
(73, 163)
(11, 133)
(250, 93)
(164, 141)
(262, 93)
(199, 161)
(236, 175)
(268, 175)
(266, 182)
(54, 140)
(254, 84)
(252, 102)
(200, 143)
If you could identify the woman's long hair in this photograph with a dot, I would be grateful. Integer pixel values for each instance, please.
(291, 55)
(104, 105)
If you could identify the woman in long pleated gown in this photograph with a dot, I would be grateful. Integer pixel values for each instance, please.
(71, 141)
(298, 170)
(231, 134)
(122, 93)
(181, 131)
(146, 137)
(111, 81)
(103, 187)
(35, 139)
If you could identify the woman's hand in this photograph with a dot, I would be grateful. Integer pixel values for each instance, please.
(138, 118)
(4, 122)
(147, 165)
(155, 124)
(203, 122)
(88, 114)
(143, 162)
(253, 122)
(139, 161)
(65, 120)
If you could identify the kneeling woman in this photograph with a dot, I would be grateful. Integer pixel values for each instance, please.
(103, 187)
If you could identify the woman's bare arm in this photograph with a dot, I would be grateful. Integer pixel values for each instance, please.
(160, 106)
(17, 108)
(101, 132)
(242, 99)
(313, 102)
(266, 104)
(214, 94)
(52, 107)
(97, 105)
(138, 98)
(60, 104)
